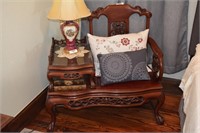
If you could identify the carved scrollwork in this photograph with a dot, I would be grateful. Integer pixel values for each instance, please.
(100, 101)
(96, 12)
(155, 64)
(143, 11)
(60, 43)
(118, 28)
(72, 75)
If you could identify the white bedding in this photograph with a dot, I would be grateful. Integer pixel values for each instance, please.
(190, 84)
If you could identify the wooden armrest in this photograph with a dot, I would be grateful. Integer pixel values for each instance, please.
(157, 63)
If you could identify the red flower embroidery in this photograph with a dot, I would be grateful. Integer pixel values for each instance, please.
(125, 41)
(140, 40)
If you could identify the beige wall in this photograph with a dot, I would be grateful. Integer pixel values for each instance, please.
(25, 43)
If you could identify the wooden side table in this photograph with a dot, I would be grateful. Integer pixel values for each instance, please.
(68, 70)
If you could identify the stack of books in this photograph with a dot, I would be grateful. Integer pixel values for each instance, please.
(69, 85)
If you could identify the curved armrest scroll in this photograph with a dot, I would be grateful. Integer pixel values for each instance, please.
(157, 63)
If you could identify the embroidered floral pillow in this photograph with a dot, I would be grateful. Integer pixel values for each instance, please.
(117, 43)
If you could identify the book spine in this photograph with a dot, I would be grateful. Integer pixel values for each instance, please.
(69, 87)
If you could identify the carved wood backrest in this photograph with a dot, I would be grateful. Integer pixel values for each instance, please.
(118, 17)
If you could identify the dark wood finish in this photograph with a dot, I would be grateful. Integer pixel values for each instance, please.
(106, 119)
(4, 120)
(27, 114)
(118, 17)
(65, 69)
(129, 94)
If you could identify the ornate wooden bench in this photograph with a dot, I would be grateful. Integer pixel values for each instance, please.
(125, 94)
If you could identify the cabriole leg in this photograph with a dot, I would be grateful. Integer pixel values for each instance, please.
(156, 108)
(51, 110)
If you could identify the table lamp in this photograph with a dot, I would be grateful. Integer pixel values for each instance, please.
(67, 12)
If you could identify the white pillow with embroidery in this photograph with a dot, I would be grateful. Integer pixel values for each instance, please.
(117, 43)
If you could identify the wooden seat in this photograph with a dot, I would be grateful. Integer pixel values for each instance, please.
(118, 88)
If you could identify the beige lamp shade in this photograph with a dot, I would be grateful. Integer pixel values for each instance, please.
(68, 10)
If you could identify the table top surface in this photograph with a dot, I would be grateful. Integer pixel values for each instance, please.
(70, 64)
